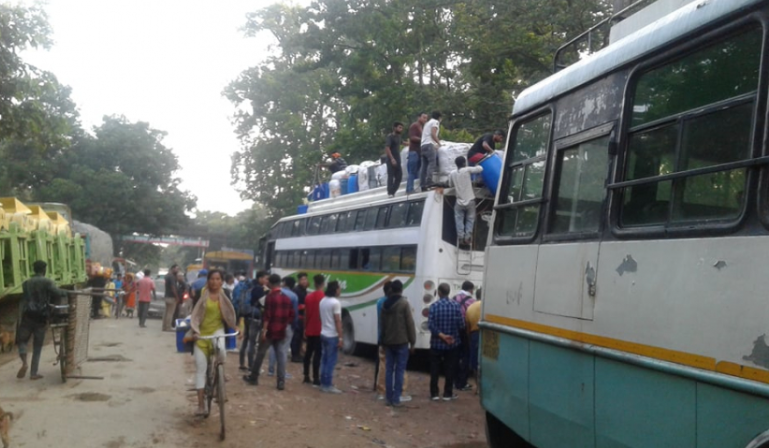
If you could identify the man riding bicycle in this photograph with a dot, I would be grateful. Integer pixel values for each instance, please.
(38, 294)
(212, 312)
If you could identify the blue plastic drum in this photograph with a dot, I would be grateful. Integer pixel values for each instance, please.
(492, 169)
(344, 182)
(352, 184)
(301, 210)
(232, 342)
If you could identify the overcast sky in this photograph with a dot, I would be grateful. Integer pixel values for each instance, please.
(165, 62)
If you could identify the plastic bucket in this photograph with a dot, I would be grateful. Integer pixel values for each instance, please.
(492, 169)
(182, 326)
(352, 185)
(232, 342)
(301, 210)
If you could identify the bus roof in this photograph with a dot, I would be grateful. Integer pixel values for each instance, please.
(685, 20)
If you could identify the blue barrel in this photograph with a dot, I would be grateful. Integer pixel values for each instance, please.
(492, 169)
(352, 184)
(182, 326)
(320, 192)
(343, 183)
(301, 210)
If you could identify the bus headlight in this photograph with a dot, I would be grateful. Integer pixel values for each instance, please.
(429, 285)
(426, 311)
(425, 326)
(427, 298)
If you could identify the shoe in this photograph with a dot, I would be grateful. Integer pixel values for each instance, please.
(380, 397)
(396, 405)
(306, 380)
(270, 373)
(252, 380)
(288, 376)
(243, 368)
(453, 397)
(35, 376)
(465, 388)
(435, 398)
(331, 390)
(281, 385)
(405, 398)
(297, 359)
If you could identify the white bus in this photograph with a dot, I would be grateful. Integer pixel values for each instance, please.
(364, 239)
(626, 297)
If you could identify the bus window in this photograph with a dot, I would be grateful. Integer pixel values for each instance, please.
(352, 259)
(313, 227)
(289, 259)
(297, 259)
(307, 259)
(371, 259)
(325, 258)
(398, 215)
(693, 113)
(381, 219)
(414, 218)
(391, 259)
(344, 258)
(335, 259)
(519, 200)
(323, 225)
(370, 218)
(341, 225)
(408, 259)
(297, 228)
(329, 224)
(360, 218)
(581, 189)
(279, 259)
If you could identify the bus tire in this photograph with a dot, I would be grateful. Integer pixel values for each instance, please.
(348, 334)
(499, 435)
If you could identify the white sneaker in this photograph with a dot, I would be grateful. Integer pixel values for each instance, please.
(380, 397)
(405, 398)
(333, 390)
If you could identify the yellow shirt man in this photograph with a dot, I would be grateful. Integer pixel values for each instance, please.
(473, 316)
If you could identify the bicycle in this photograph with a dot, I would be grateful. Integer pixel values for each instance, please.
(59, 324)
(215, 380)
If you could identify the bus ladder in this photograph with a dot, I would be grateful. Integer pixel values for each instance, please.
(464, 261)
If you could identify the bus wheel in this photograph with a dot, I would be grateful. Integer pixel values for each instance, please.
(500, 436)
(348, 334)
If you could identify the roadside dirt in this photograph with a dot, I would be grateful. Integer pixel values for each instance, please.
(302, 416)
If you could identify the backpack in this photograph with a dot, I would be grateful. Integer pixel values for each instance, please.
(237, 295)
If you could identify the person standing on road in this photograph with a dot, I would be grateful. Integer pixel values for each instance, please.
(312, 329)
(212, 312)
(429, 151)
(464, 208)
(382, 361)
(171, 297)
(198, 285)
(38, 293)
(330, 336)
(301, 293)
(446, 323)
(181, 291)
(288, 289)
(393, 154)
(465, 299)
(251, 312)
(399, 337)
(278, 315)
(146, 288)
(472, 317)
(129, 286)
(415, 142)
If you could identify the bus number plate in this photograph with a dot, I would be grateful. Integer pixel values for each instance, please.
(490, 344)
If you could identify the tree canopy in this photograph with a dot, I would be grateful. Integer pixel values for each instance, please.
(342, 71)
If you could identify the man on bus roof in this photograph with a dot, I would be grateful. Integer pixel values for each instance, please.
(484, 146)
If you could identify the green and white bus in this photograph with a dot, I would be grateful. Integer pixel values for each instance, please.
(625, 289)
(364, 239)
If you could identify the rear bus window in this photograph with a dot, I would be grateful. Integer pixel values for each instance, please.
(414, 218)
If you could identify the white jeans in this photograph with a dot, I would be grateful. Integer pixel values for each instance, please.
(201, 360)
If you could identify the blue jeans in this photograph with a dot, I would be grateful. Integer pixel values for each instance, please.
(413, 165)
(464, 215)
(396, 357)
(330, 352)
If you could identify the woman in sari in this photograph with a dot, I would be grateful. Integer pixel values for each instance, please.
(129, 286)
(212, 312)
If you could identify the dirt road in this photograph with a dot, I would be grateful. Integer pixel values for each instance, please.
(143, 402)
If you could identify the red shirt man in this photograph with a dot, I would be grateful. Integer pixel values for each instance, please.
(146, 287)
(312, 328)
(312, 312)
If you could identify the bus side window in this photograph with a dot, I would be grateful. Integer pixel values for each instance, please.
(306, 262)
(693, 113)
(370, 258)
(398, 214)
(360, 218)
(414, 218)
(341, 224)
(297, 259)
(352, 259)
(581, 186)
(325, 258)
(408, 259)
(312, 260)
(521, 195)
(371, 214)
(344, 259)
(381, 219)
(313, 228)
(335, 259)
(391, 259)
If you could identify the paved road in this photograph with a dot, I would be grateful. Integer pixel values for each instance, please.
(139, 403)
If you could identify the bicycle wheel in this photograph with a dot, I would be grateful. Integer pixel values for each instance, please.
(220, 396)
(63, 354)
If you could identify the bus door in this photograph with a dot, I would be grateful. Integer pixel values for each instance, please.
(567, 262)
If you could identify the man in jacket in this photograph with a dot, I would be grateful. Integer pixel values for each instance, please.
(398, 338)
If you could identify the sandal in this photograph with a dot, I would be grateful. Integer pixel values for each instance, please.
(200, 413)
(22, 372)
(36, 377)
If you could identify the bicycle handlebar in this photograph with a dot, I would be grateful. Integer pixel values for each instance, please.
(58, 307)
(217, 336)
